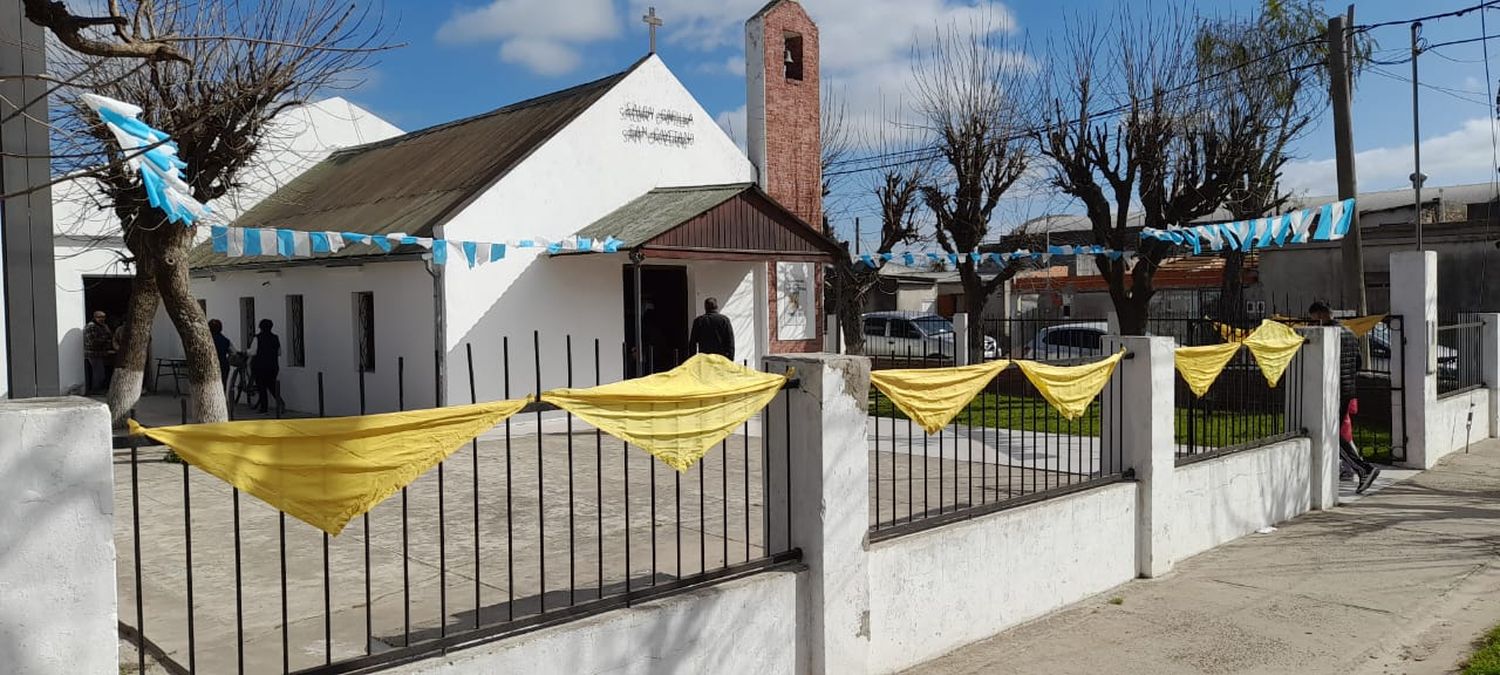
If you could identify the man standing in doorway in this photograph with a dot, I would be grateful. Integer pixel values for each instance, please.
(99, 351)
(1348, 404)
(712, 332)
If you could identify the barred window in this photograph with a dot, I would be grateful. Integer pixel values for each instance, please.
(247, 321)
(296, 354)
(364, 329)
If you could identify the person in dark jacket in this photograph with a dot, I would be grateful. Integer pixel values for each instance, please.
(222, 348)
(712, 332)
(1348, 404)
(265, 365)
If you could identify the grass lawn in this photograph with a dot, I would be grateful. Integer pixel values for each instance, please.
(1024, 413)
(1486, 659)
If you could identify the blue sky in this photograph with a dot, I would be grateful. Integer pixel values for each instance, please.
(471, 56)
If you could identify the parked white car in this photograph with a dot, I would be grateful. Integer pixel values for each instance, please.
(915, 335)
(1082, 340)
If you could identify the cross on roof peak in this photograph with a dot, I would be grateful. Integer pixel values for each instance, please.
(654, 22)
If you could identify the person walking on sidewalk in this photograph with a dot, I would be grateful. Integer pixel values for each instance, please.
(1348, 402)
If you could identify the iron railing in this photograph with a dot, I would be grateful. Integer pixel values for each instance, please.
(529, 526)
(1458, 344)
(1240, 410)
(1006, 448)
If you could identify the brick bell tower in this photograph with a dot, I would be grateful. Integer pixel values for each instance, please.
(783, 116)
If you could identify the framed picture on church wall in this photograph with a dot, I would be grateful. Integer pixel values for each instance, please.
(795, 284)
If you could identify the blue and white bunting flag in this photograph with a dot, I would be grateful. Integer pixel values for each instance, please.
(151, 152)
(1332, 223)
(243, 242)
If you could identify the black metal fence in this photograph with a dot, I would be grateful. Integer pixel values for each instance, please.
(1006, 448)
(1458, 344)
(1241, 410)
(1046, 337)
(542, 521)
(1379, 426)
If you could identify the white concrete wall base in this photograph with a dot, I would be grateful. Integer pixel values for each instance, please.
(58, 609)
(739, 626)
(1222, 499)
(938, 590)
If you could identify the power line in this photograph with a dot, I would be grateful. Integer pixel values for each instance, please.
(1430, 17)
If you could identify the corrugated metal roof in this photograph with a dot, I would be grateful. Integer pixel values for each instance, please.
(416, 181)
(660, 210)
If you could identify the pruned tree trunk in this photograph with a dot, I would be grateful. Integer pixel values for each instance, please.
(130, 358)
(205, 388)
(1232, 288)
(162, 277)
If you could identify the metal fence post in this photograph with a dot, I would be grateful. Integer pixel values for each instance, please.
(819, 427)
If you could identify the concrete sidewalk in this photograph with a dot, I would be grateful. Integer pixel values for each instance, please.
(1400, 581)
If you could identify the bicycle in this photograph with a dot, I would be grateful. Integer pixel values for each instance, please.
(241, 381)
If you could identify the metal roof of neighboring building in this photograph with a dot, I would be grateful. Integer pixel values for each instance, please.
(730, 221)
(660, 210)
(417, 181)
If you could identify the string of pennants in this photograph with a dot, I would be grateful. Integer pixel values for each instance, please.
(1329, 222)
(248, 242)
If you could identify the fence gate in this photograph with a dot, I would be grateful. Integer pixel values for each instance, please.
(1380, 427)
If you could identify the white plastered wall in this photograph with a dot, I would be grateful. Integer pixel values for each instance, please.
(585, 172)
(1222, 499)
(403, 328)
(1449, 426)
(937, 590)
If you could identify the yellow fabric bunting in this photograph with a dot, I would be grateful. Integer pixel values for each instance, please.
(934, 396)
(1361, 326)
(1274, 345)
(1070, 389)
(1200, 366)
(679, 415)
(325, 472)
(1232, 334)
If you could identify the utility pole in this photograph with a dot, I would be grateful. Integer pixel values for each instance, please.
(1417, 179)
(856, 235)
(1343, 140)
(30, 288)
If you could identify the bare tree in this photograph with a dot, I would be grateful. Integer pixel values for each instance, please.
(974, 93)
(1237, 55)
(896, 192)
(78, 32)
(240, 67)
(1133, 123)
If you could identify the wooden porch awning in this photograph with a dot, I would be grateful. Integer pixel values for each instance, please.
(713, 222)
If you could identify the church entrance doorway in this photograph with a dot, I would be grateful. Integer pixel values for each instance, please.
(665, 317)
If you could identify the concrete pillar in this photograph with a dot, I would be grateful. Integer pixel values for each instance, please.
(961, 354)
(1414, 298)
(58, 611)
(1320, 411)
(1489, 366)
(1147, 441)
(830, 503)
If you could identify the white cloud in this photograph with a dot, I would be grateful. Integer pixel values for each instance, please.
(1463, 155)
(543, 35)
(733, 123)
(866, 45)
(734, 65)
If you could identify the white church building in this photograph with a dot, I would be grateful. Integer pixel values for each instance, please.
(633, 156)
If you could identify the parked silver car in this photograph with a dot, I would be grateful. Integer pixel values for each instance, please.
(1082, 340)
(916, 335)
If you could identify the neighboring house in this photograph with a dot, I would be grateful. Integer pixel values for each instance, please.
(906, 289)
(701, 217)
(92, 267)
(1185, 287)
